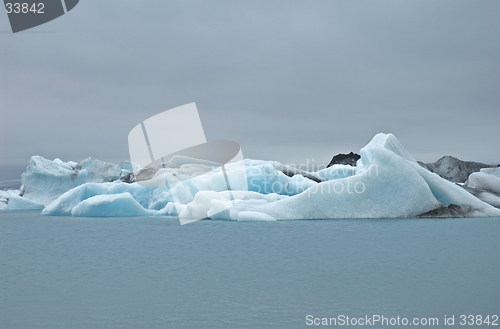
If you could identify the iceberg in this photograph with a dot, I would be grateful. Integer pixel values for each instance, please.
(64, 204)
(110, 205)
(492, 171)
(485, 180)
(263, 180)
(386, 182)
(485, 185)
(45, 180)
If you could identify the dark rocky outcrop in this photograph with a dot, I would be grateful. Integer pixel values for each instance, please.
(446, 212)
(146, 173)
(453, 169)
(128, 178)
(345, 159)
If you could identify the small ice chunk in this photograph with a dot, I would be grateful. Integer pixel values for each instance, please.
(484, 181)
(110, 205)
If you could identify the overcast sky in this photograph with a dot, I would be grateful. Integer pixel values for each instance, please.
(288, 80)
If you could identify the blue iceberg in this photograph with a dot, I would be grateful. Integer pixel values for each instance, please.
(385, 183)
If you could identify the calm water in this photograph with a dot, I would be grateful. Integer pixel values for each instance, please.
(62, 272)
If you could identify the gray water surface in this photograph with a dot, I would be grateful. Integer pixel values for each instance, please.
(63, 272)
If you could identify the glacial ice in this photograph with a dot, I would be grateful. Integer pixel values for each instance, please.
(491, 171)
(64, 204)
(386, 183)
(482, 180)
(11, 201)
(485, 185)
(45, 180)
(110, 205)
(336, 171)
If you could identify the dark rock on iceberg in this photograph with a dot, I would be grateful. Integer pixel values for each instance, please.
(128, 178)
(345, 159)
(446, 212)
(292, 171)
(453, 169)
(147, 173)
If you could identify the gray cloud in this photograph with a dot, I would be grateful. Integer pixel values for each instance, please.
(288, 80)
